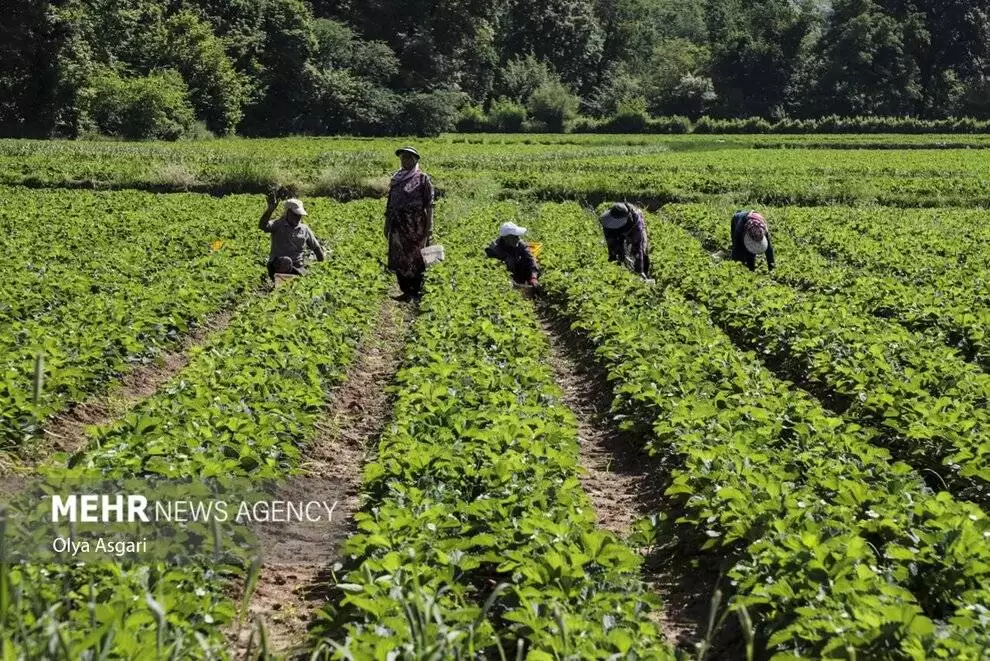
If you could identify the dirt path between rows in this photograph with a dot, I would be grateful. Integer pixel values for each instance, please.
(66, 431)
(625, 484)
(290, 591)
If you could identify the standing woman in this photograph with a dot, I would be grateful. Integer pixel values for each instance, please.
(409, 223)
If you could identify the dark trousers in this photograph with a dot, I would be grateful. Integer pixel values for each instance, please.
(411, 285)
(283, 265)
(736, 219)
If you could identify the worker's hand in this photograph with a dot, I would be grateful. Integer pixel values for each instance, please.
(271, 200)
(533, 282)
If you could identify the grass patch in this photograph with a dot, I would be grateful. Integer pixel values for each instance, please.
(348, 183)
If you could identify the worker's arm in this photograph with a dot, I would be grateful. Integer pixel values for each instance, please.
(639, 245)
(615, 243)
(639, 259)
(770, 258)
(493, 250)
(315, 246)
(388, 214)
(530, 264)
(265, 224)
(428, 207)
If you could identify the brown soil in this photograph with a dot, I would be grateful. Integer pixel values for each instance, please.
(625, 484)
(292, 589)
(66, 431)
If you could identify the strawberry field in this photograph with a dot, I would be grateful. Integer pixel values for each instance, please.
(811, 445)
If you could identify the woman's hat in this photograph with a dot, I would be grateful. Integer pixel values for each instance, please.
(511, 229)
(407, 150)
(615, 217)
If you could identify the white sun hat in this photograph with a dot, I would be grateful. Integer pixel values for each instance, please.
(296, 206)
(755, 247)
(615, 217)
(511, 229)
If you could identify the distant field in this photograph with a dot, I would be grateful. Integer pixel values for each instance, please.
(925, 172)
(820, 434)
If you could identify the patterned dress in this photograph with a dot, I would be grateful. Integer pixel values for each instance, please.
(407, 225)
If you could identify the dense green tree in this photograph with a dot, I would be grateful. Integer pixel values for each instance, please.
(440, 44)
(345, 103)
(565, 33)
(636, 28)
(29, 78)
(754, 56)
(215, 88)
(521, 76)
(863, 66)
(949, 41)
(380, 66)
(155, 106)
(286, 78)
(669, 64)
(339, 47)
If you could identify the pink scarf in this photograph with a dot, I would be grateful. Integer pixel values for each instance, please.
(756, 226)
(402, 176)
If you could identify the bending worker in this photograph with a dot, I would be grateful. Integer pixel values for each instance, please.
(750, 238)
(290, 238)
(515, 253)
(625, 233)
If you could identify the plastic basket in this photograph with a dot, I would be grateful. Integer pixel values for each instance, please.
(432, 254)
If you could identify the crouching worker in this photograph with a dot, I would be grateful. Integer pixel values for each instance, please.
(750, 238)
(290, 238)
(625, 234)
(515, 253)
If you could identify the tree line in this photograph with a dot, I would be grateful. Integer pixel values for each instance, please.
(182, 68)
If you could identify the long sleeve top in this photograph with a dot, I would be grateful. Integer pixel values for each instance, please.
(629, 239)
(291, 241)
(518, 259)
(739, 252)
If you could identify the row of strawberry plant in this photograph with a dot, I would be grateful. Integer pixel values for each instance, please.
(930, 247)
(242, 409)
(785, 177)
(139, 278)
(476, 536)
(953, 313)
(67, 245)
(929, 404)
(837, 550)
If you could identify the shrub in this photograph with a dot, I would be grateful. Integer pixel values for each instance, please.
(506, 116)
(587, 125)
(630, 117)
(151, 107)
(472, 119)
(430, 114)
(553, 104)
(522, 76)
(675, 124)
